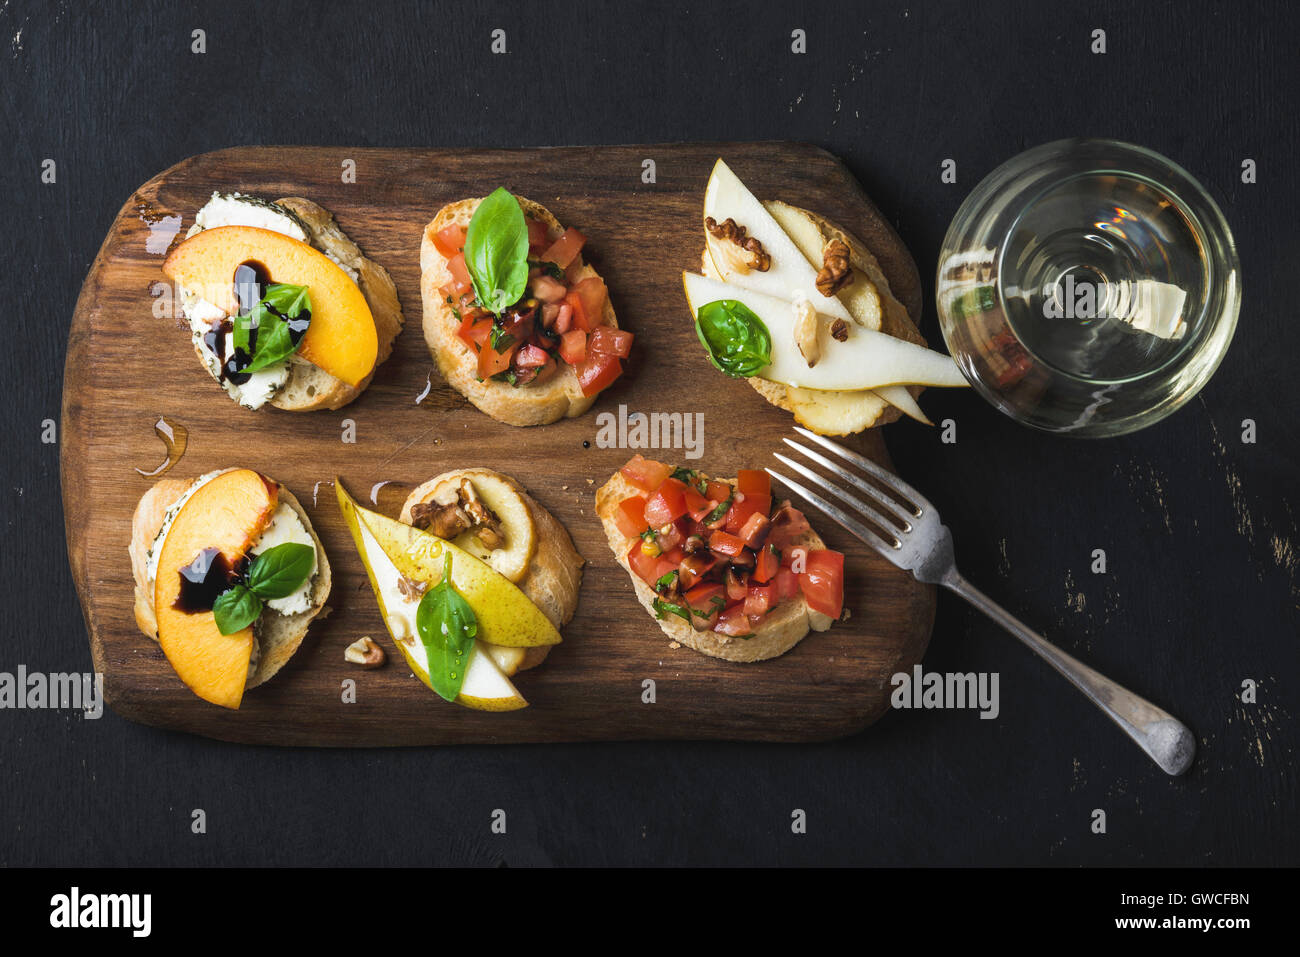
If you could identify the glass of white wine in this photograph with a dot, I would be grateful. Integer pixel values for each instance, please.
(1088, 287)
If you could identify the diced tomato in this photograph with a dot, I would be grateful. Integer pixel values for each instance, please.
(597, 372)
(537, 238)
(718, 491)
(667, 504)
(725, 544)
(734, 621)
(697, 506)
(646, 474)
(449, 241)
(519, 325)
(743, 507)
(475, 332)
(767, 565)
(611, 341)
(706, 599)
(788, 526)
(673, 556)
(592, 293)
(546, 372)
(753, 482)
(648, 568)
(760, 600)
(823, 583)
(565, 249)
(531, 357)
(787, 584)
(459, 273)
(755, 531)
(573, 346)
(574, 302)
(491, 362)
(630, 516)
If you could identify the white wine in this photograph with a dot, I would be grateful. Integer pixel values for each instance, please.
(1088, 286)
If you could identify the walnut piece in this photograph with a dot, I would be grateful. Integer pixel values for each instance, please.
(365, 652)
(410, 589)
(466, 513)
(840, 330)
(835, 273)
(728, 231)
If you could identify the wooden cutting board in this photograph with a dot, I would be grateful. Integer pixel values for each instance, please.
(126, 368)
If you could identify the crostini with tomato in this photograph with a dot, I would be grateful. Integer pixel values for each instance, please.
(516, 320)
(724, 568)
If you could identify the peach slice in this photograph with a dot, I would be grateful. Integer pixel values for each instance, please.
(341, 338)
(228, 513)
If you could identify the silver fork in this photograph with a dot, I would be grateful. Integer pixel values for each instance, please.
(908, 533)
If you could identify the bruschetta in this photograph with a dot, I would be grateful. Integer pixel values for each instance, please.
(283, 308)
(228, 575)
(516, 321)
(723, 568)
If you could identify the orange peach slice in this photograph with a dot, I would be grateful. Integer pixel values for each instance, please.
(341, 338)
(228, 513)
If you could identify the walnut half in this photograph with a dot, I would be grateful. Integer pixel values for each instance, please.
(728, 231)
(365, 652)
(835, 273)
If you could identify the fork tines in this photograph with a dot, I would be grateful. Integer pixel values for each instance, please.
(890, 511)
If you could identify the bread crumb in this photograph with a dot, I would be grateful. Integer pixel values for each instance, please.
(674, 645)
(591, 481)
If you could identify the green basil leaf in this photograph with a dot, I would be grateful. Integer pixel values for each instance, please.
(274, 344)
(496, 251)
(280, 571)
(737, 341)
(665, 608)
(666, 580)
(286, 299)
(500, 339)
(447, 626)
(548, 269)
(720, 511)
(235, 609)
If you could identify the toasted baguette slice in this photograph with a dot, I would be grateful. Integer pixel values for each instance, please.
(840, 413)
(559, 398)
(278, 635)
(554, 573)
(310, 387)
(783, 628)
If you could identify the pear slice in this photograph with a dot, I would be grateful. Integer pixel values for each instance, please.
(485, 687)
(866, 360)
(904, 401)
(512, 559)
(790, 275)
(507, 659)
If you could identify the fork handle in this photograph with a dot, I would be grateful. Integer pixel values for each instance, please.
(1168, 741)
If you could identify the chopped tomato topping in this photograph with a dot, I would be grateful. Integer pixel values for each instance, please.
(450, 241)
(648, 568)
(743, 507)
(718, 491)
(565, 249)
(537, 238)
(697, 506)
(579, 312)
(611, 341)
(705, 599)
(459, 273)
(491, 362)
(531, 357)
(573, 346)
(475, 332)
(760, 600)
(726, 545)
(766, 566)
(646, 474)
(667, 504)
(592, 293)
(693, 568)
(823, 583)
(630, 516)
(787, 584)
(597, 372)
(734, 621)
(753, 482)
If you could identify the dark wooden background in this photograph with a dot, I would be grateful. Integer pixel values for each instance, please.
(1200, 529)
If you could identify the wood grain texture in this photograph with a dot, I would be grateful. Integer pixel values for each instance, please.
(126, 367)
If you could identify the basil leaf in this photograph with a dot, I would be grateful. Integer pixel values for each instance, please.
(666, 581)
(280, 571)
(737, 341)
(500, 339)
(496, 251)
(286, 299)
(244, 324)
(235, 609)
(665, 608)
(720, 511)
(273, 345)
(447, 626)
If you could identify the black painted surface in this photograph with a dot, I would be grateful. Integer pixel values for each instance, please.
(1201, 530)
